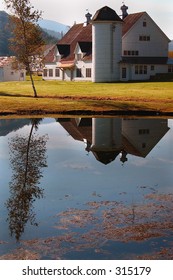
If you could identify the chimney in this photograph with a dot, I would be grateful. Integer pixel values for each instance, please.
(88, 18)
(124, 9)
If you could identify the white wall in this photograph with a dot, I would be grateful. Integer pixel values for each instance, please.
(83, 65)
(106, 51)
(1, 74)
(70, 74)
(10, 74)
(130, 70)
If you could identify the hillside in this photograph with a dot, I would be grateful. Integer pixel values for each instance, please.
(53, 26)
(5, 35)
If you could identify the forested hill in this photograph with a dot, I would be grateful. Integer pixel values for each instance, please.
(5, 35)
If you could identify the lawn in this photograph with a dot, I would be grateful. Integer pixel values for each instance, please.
(56, 97)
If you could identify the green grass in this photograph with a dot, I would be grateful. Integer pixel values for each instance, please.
(64, 97)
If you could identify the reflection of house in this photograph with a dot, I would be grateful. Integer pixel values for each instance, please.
(107, 138)
(141, 136)
(10, 70)
(109, 48)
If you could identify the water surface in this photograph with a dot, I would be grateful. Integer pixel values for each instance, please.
(85, 188)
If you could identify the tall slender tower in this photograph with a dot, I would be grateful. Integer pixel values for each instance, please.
(107, 45)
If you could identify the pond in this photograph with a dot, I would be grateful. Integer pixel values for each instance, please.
(86, 188)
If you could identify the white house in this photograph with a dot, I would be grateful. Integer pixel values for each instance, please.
(110, 48)
(10, 70)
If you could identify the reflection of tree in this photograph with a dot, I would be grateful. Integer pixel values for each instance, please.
(27, 158)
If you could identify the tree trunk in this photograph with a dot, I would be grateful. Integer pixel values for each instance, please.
(32, 82)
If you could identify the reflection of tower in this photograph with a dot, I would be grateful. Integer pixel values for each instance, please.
(106, 138)
(107, 45)
(123, 157)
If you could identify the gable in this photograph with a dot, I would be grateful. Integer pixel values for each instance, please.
(133, 20)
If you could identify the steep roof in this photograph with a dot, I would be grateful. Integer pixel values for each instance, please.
(50, 56)
(79, 33)
(71, 35)
(106, 14)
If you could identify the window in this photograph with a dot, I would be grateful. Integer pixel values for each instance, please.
(88, 72)
(78, 73)
(144, 38)
(144, 145)
(45, 72)
(170, 68)
(50, 72)
(124, 73)
(57, 72)
(144, 23)
(152, 68)
(145, 69)
(144, 131)
(131, 53)
(140, 69)
(12, 73)
(22, 75)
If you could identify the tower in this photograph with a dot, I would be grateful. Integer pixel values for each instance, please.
(88, 18)
(124, 9)
(107, 45)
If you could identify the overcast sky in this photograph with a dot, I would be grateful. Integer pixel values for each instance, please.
(69, 11)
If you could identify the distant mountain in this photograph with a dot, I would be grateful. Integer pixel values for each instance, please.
(5, 35)
(54, 34)
(53, 26)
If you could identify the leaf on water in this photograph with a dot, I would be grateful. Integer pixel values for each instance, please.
(21, 254)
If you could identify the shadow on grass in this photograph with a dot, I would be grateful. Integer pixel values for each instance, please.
(14, 95)
(107, 105)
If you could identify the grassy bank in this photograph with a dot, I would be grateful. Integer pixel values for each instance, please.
(64, 97)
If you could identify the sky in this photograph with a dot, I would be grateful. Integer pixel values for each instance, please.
(70, 11)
